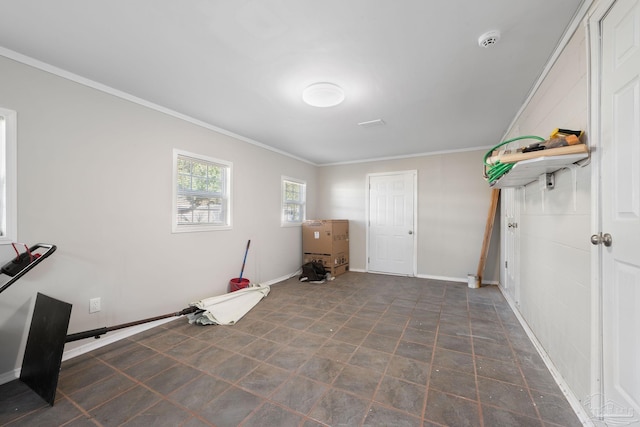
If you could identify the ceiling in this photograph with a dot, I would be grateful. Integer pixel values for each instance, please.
(241, 65)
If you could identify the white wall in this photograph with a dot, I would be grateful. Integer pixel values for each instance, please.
(555, 227)
(95, 179)
(453, 202)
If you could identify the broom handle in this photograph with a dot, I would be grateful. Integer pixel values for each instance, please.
(101, 331)
(244, 261)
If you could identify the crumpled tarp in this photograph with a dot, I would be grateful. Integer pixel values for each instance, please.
(227, 309)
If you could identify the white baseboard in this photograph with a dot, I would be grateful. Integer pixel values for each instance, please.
(111, 338)
(455, 279)
(117, 336)
(581, 412)
(282, 278)
(443, 278)
(9, 376)
(92, 345)
(125, 333)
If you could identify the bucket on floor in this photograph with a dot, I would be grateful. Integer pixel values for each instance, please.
(236, 284)
(473, 281)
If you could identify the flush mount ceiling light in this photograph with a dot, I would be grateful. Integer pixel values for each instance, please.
(488, 39)
(323, 95)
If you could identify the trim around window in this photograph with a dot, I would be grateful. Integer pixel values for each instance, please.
(201, 193)
(294, 202)
(8, 177)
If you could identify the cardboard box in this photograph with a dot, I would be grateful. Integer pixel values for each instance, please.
(341, 269)
(327, 260)
(325, 236)
(336, 264)
(327, 241)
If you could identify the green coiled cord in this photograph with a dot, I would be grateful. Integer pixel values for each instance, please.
(496, 170)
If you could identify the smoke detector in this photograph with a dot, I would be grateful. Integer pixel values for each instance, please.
(489, 38)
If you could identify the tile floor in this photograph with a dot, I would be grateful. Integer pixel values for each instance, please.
(363, 350)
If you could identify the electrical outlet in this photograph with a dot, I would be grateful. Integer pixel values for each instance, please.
(94, 305)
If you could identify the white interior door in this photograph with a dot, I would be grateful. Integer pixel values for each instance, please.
(511, 241)
(391, 223)
(619, 236)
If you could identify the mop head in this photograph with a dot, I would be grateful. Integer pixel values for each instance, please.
(227, 309)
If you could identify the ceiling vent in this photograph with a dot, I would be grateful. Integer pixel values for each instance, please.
(371, 123)
(489, 38)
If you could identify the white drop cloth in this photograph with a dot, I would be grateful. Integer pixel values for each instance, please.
(227, 309)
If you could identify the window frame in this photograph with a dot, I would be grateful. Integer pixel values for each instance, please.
(8, 177)
(184, 228)
(283, 202)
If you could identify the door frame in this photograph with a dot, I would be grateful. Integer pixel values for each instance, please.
(594, 34)
(414, 175)
(510, 201)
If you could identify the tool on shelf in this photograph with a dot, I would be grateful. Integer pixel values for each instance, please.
(561, 142)
(493, 168)
(565, 132)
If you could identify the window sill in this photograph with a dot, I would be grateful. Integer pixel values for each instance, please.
(200, 228)
(290, 224)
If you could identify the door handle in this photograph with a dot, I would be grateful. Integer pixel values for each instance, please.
(410, 232)
(605, 239)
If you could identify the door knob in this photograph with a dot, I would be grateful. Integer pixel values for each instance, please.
(410, 232)
(605, 239)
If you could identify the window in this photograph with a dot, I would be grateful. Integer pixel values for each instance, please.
(8, 177)
(202, 193)
(294, 194)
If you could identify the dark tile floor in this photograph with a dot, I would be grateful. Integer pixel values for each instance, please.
(363, 350)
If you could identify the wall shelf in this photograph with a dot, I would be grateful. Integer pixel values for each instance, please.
(527, 171)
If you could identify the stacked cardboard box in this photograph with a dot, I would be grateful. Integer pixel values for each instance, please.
(327, 241)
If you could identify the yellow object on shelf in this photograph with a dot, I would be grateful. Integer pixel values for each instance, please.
(565, 132)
